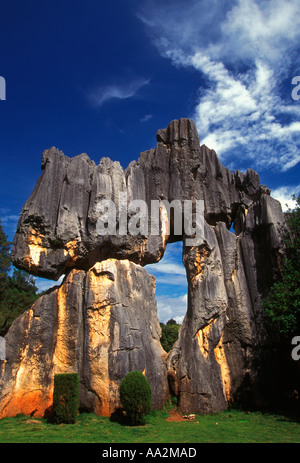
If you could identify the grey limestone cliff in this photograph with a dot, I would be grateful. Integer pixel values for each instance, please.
(102, 320)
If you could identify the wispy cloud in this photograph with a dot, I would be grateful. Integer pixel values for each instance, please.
(171, 284)
(9, 223)
(146, 118)
(169, 270)
(10, 219)
(165, 267)
(246, 53)
(284, 195)
(120, 91)
(172, 307)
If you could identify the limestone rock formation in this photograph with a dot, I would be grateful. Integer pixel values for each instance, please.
(100, 324)
(224, 329)
(57, 228)
(102, 320)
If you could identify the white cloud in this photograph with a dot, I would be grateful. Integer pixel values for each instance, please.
(146, 118)
(169, 271)
(262, 29)
(171, 307)
(170, 268)
(245, 52)
(9, 224)
(121, 91)
(167, 268)
(10, 219)
(171, 284)
(284, 195)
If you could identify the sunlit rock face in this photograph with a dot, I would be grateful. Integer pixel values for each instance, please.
(102, 321)
(100, 324)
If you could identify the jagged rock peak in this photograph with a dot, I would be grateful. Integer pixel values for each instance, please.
(182, 131)
(57, 229)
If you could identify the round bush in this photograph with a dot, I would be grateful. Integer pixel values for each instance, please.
(136, 396)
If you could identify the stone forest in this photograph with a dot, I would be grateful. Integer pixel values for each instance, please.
(101, 321)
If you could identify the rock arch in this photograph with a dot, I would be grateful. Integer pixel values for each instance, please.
(102, 320)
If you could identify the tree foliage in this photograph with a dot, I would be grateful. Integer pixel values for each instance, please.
(282, 306)
(17, 291)
(5, 263)
(169, 334)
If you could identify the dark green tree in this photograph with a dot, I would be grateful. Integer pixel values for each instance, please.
(169, 334)
(19, 294)
(5, 262)
(282, 305)
(17, 291)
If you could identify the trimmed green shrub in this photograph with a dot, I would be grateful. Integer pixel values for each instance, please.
(136, 396)
(65, 398)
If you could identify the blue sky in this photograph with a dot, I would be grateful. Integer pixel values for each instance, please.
(101, 77)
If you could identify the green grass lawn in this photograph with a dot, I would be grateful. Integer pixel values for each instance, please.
(226, 427)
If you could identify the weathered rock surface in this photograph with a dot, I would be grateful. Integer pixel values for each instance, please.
(102, 321)
(57, 228)
(217, 358)
(224, 329)
(101, 324)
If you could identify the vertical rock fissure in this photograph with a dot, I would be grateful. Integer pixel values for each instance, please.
(251, 293)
